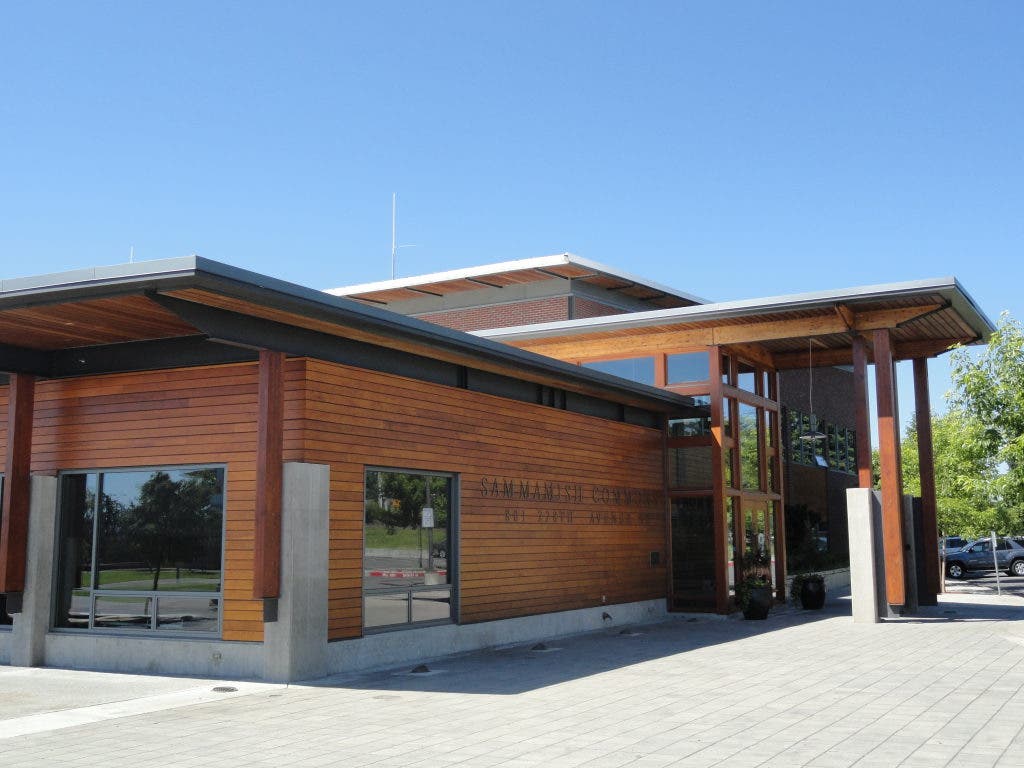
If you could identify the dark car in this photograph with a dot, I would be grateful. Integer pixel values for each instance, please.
(977, 556)
(952, 544)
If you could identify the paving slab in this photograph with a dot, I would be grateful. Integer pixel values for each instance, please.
(943, 688)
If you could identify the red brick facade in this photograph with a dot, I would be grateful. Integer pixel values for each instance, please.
(590, 308)
(502, 315)
(515, 313)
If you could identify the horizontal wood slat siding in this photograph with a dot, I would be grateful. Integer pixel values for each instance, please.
(172, 417)
(507, 568)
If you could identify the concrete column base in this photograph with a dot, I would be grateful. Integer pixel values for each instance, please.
(295, 646)
(867, 575)
(28, 634)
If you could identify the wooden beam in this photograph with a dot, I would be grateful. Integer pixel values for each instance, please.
(632, 344)
(889, 459)
(819, 325)
(17, 465)
(269, 475)
(926, 462)
(861, 410)
(718, 483)
(847, 316)
(844, 355)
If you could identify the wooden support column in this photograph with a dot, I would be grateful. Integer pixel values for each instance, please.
(889, 459)
(269, 475)
(17, 464)
(718, 479)
(862, 417)
(926, 462)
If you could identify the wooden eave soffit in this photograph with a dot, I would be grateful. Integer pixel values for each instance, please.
(840, 321)
(843, 320)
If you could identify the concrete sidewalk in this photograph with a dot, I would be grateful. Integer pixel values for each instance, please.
(943, 688)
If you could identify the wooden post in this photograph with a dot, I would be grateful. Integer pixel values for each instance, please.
(862, 418)
(718, 479)
(889, 459)
(17, 465)
(269, 475)
(926, 463)
(775, 422)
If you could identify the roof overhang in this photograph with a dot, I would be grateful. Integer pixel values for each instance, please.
(926, 317)
(564, 266)
(192, 310)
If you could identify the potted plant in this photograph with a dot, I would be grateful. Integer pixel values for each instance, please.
(754, 597)
(809, 588)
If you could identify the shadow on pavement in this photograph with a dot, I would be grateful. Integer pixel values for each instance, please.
(518, 669)
(952, 609)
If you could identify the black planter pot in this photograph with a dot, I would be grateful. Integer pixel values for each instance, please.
(812, 594)
(758, 603)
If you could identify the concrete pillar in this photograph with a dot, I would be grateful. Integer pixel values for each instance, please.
(28, 634)
(295, 646)
(867, 579)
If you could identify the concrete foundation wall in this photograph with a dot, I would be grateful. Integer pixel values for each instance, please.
(154, 656)
(413, 645)
(5, 646)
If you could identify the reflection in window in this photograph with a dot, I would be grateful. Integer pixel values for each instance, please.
(690, 467)
(640, 369)
(750, 448)
(746, 378)
(407, 557)
(688, 367)
(693, 552)
(157, 537)
(693, 422)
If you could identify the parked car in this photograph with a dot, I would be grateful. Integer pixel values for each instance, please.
(952, 544)
(977, 556)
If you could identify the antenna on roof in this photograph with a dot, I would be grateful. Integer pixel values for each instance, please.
(394, 236)
(131, 255)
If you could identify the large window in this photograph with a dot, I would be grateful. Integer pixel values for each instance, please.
(5, 617)
(141, 550)
(408, 549)
(639, 369)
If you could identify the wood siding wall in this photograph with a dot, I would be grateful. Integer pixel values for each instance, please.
(166, 418)
(544, 556)
(518, 556)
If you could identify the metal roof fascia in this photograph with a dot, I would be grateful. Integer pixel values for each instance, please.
(536, 262)
(198, 272)
(396, 325)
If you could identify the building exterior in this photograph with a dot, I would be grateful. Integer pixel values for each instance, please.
(748, 369)
(209, 471)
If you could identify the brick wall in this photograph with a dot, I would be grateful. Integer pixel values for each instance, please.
(502, 315)
(589, 308)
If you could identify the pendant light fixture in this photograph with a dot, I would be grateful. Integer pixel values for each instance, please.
(813, 434)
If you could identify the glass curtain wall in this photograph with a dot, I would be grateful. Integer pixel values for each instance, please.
(751, 469)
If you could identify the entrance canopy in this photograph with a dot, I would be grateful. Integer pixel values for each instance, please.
(925, 318)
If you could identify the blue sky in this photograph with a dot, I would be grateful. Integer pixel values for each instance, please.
(730, 150)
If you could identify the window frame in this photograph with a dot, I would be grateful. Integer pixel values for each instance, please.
(153, 630)
(453, 545)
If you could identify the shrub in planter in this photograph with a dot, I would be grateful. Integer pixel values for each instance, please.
(754, 597)
(809, 589)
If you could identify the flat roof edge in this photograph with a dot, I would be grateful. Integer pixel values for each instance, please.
(535, 262)
(948, 286)
(201, 273)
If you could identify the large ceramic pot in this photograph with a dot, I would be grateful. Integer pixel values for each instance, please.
(812, 594)
(759, 602)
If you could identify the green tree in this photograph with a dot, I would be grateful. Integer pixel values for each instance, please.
(965, 474)
(989, 389)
